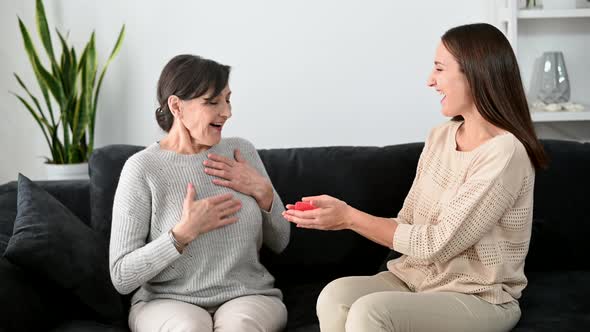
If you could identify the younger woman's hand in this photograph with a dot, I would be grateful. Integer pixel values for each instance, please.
(329, 214)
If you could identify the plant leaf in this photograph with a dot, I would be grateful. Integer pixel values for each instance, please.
(114, 53)
(45, 79)
(43, 29)
(66, 68)
(35, 100)
(35, 116)
(31, 53)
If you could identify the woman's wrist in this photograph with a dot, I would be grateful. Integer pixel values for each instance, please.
(181, 235)
(179, 246)
(351, 217)
(264, 196)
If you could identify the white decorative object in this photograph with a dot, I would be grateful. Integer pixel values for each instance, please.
(573, 107)
(552, 108)
(559, 4)
(67, 171)
(539, 106)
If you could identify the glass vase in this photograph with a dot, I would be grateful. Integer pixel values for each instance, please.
(555, 85)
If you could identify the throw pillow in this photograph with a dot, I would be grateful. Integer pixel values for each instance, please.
(49, 240)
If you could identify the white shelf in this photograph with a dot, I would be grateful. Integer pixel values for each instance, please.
(560, 116)
(553, 13)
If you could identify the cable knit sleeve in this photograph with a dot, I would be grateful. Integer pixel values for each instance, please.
(132, 261)
(489, 190)
(275, 229)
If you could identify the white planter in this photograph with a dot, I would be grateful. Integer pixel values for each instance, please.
(559, 4)
(67, 171)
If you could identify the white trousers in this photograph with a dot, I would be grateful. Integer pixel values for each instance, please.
(248, 313)
(383, 303)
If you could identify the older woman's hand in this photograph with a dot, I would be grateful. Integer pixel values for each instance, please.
(238, 175)
(204, 215)
(329, 214)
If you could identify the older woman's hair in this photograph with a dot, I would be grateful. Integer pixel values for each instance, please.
(188, 76)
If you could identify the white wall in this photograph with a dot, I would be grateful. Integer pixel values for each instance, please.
(305, 73)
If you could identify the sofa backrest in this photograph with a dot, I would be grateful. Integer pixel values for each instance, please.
(561, 216)
(372, 179)
(376, 180)
(105, 167)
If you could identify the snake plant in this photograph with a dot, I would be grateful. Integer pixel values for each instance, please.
(69, 88)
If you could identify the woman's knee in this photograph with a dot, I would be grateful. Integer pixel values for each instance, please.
(169, 315)
(187, 323)
(251, 314)
(370, 313)
(333, 295)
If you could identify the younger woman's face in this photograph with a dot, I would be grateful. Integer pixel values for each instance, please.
(205, 116)
(450, 82)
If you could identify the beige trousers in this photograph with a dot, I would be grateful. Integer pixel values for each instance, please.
(384, 303)
(248, 313)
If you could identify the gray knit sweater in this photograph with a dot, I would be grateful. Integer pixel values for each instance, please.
(217, 266)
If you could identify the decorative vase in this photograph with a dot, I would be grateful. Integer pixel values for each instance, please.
(57, 172)
(555, 85)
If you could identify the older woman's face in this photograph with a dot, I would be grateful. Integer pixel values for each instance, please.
(205, 116)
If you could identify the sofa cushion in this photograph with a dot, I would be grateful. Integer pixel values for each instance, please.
(74, 194)
(19, 301)
(87, 326)
(30, 302)
(300, 301)
(49, 240)
(376, 181)
(556, 301)
(561, 214)
(7, 213)
(105, 167)
(372, 179)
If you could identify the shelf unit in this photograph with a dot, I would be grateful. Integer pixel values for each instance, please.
(531, 25)
(553, 13)
(560, 116)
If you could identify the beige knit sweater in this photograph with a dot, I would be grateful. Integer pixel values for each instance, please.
(465, 225)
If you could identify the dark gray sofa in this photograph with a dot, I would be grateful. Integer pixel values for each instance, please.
(373, 179)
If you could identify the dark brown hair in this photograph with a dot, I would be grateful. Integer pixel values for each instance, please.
(187, 77)
(488, 61)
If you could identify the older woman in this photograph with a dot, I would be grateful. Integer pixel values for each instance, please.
(191, 213)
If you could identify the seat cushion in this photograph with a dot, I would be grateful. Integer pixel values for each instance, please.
(51, 242)
(19, 301)
(556, 301)
(88, 326)
(301, 301)
(306, 328)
